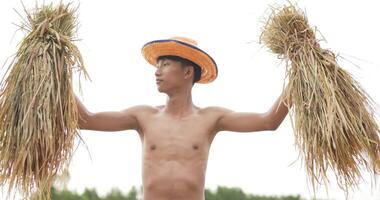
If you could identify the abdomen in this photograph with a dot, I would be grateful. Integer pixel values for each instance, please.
(173, 180)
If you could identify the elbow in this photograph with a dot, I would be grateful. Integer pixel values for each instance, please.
(84, 119)
(270, 122)
(272, 126)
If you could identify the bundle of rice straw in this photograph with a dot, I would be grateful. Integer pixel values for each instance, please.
(38, 113)
(332, 116)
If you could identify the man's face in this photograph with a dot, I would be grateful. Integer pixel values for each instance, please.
(169, 75)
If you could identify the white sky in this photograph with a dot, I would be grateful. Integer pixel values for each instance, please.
(250, 79)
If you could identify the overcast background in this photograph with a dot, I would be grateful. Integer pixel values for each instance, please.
(250, 79)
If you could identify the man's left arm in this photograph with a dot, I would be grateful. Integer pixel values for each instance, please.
(252, 122)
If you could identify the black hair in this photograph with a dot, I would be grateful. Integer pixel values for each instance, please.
(185, 62)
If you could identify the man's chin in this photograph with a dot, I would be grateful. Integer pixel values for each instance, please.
(160, 90)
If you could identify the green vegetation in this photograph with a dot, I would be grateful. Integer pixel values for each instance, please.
(221, 193)
(225, 193)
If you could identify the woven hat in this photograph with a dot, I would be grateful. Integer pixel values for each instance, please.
(184, 48)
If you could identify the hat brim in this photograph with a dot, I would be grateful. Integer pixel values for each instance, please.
(152, 50)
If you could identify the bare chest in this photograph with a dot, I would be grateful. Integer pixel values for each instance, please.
(168, 138)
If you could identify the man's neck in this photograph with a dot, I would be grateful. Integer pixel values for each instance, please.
(179, 104)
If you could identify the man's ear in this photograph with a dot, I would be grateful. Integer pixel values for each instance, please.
(188, 71)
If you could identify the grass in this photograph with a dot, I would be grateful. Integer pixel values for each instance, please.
(332, 116)
(38, 114)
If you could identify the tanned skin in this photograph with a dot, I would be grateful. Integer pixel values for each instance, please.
(176, 137)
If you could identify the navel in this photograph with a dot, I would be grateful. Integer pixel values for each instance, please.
(195, 147)
(152, 147)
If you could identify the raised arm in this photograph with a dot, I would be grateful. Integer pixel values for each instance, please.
(107, 121)
(251, 122)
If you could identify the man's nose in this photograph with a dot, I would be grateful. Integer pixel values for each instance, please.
(158, 72)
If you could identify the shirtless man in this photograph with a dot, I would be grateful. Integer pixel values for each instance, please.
(176, 137)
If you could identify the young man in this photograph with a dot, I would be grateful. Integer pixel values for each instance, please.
(176, 137)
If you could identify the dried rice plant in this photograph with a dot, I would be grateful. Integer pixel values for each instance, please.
(38, 113)
(332, 116)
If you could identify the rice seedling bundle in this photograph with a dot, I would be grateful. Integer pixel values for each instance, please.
(333, 117)
(38, 113)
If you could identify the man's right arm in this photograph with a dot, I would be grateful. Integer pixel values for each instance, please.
(107, 121)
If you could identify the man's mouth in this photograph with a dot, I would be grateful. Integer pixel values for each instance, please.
(158, 81)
